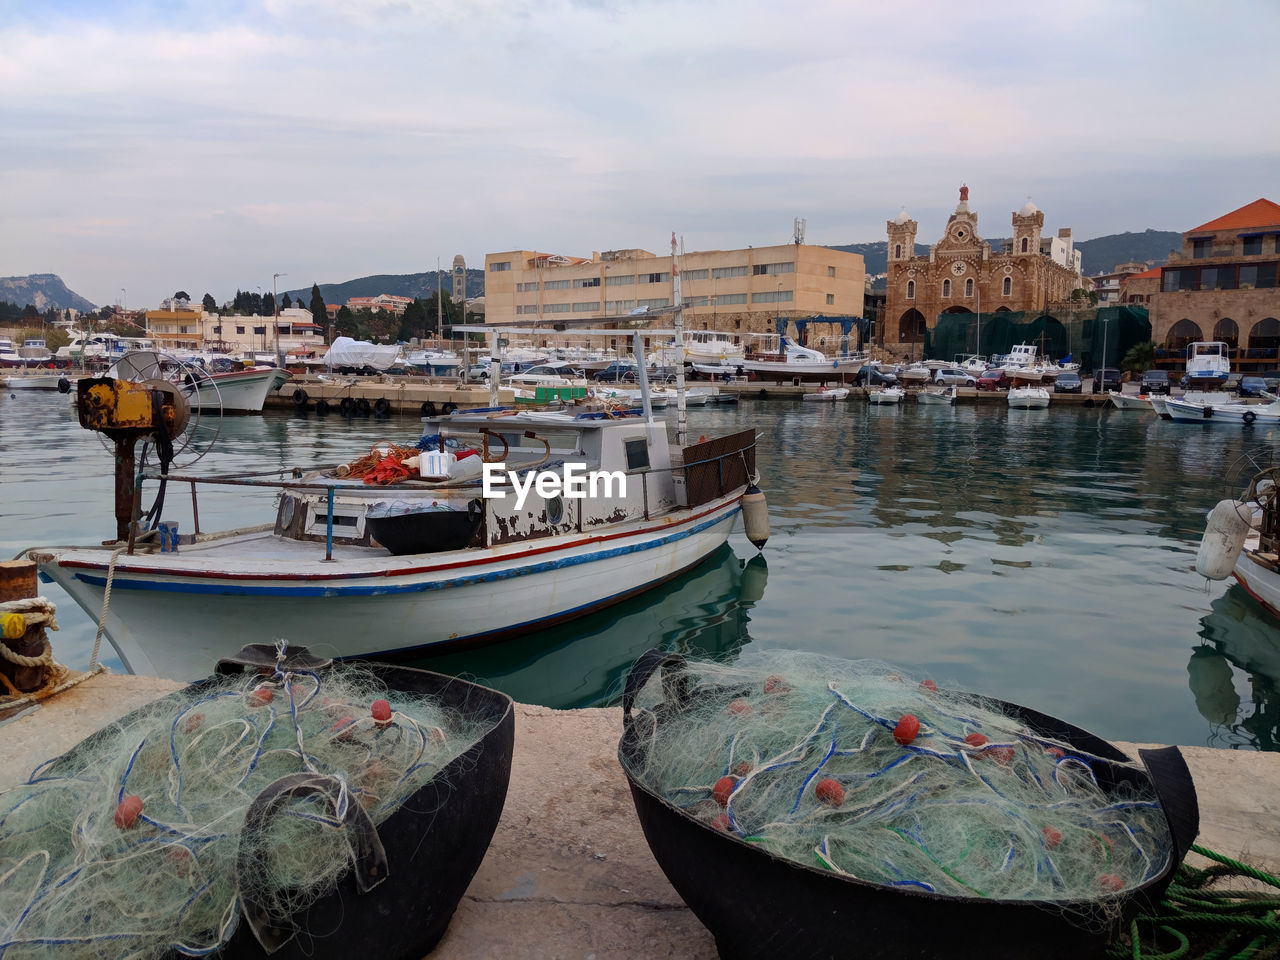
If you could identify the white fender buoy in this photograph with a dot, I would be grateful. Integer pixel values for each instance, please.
(1224, 535)
(755, 516)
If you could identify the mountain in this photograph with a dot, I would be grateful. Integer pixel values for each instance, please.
(1101, 254)
(875, 256)
(418, 285)
(42, 291)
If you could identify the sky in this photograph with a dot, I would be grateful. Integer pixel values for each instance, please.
(154, 146)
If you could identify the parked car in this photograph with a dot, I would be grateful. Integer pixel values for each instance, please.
(993, 379)
(1107, 378)
(1156, 381)
(953, 376)
(1068, 382)
(616, 372)
(871, 377)
(1252, 386)
(1271, 378)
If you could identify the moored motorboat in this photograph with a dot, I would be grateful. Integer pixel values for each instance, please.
(781, 358)
(1223, 414)
(1028, 398)
(1133, 402)
(828, 394)
(887, 395)
(221, 386)
(945, 396)
(360, 569)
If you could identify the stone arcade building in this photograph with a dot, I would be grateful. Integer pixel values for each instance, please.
(963, 274)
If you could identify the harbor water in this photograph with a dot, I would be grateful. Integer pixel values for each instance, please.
(1044, 557)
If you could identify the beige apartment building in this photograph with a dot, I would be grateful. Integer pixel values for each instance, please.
(200, 331)
(740, 292)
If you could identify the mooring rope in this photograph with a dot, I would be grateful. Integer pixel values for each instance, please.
(106, 602)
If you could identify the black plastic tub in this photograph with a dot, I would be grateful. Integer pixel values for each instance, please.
(434, 842)
(759, 906)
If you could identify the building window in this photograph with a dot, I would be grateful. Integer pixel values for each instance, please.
(946, 288)
(968, 287)
(831, 299)
(630, 278)
(1008, 286)
(217, 328)
(831, 271)
(655, 277)
(500, 267)
(695, 301)
(260, 331)
(1201, 248)
(1024, 244)
(526, 287)
(556, 307)
(619, 306)
(1252, 245)
(911, 289)
(724, 273)
(184, 329)
(696, 274)
(587, 282)
(239, 329)
(593, 307)
(657, 302)
(897, 251)
(772, 296)
(768, 269)
(731, 298)
(556, 285)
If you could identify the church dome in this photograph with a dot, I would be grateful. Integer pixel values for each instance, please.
(902, 217)
(1029, 209)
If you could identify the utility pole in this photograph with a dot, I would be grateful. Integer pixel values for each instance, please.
(275, 316)
(682, 423)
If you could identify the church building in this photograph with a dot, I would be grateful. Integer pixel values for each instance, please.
(962, 273)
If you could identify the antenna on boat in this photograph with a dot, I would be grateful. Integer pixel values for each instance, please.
(682, 424)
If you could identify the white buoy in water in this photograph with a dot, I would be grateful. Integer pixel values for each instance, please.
(1224, 535)
(755, 516)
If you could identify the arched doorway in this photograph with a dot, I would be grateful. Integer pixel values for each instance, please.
(911, 326)
(1264, 339)
(1228, 332)
(1182, 333)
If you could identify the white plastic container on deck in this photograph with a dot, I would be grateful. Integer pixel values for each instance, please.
(436, 465)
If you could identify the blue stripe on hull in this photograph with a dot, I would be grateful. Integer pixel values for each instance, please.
(230, 589)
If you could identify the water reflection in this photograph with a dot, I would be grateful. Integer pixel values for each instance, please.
(704, 612)
(1241, 650)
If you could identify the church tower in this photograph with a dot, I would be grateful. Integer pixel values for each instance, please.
(1027, 225)
(459, 279)
(902, 237)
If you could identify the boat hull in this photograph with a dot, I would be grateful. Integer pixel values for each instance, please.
(175, 615)
(1223, 414)
(239, 392)
(1259, 579)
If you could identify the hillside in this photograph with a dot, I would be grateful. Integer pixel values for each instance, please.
(1101, 254)
(418, 285)
(42, 291)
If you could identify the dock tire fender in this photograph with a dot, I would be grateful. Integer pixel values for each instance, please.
(64, 385)
(448, 408)
(345, 406)
(1208, 412)
(382, 406)
(361, 407)
(428, 408)
(1088, 401)
(300, 397)
(1248, 417)
(322, 406)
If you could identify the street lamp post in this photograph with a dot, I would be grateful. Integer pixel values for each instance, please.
(1102, 373)
(275, 317)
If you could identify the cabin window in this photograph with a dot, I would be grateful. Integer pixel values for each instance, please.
(968, 287)
(946, 288)
(1024, 244)
(637, 454)
(911, 289)
(1008, 286)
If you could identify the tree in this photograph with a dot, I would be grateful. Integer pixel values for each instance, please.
(268, 304)
(319, 315)
(209, 303)
(287, 302)
(344, 325)
(413, 322)
(29, 312)
(182, 295)
(1140, 358)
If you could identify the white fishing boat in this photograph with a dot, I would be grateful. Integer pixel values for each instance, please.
(1028, 398)
(1020, 364)
(1208, 364)
(1132, 402)
(937, 396)
(707, 347)
(360, 570)
(35, 352)
(887, 395)
(8, 355)
(916, 373)
(1242, 539)
(779, 358)
(227, 386)
(1231, 414)
(33, 379)
(828, 394)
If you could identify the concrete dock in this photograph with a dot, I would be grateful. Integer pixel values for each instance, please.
(568, 874)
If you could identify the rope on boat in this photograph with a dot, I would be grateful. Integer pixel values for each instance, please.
(94, 666)
(1194, 921)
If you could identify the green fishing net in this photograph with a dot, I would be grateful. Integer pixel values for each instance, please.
(860, 769)
(251, 794)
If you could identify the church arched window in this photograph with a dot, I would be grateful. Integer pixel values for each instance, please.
(1024, 244)
(968, 287)
(1008, 286)
(911, 289)
(897, 251)
(946, 288)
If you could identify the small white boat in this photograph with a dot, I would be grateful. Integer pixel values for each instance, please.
(1133, 402)
(1028, 398)
(1234, 414)
(243, 390)
(33, 380)
(781, 359)
(947, 395)
(830, 394)
(887, 395)
(1208, 364)
(916, 373)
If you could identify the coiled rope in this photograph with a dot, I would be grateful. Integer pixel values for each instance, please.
(1196, 922)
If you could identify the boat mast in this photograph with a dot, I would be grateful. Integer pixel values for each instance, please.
(682, 425)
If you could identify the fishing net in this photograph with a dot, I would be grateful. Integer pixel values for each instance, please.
(252, 793)
(862, 770)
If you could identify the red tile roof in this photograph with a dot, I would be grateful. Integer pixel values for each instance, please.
(1145, 274)
(1260, 213)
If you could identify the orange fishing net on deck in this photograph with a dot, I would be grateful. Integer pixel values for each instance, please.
(384, 463)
